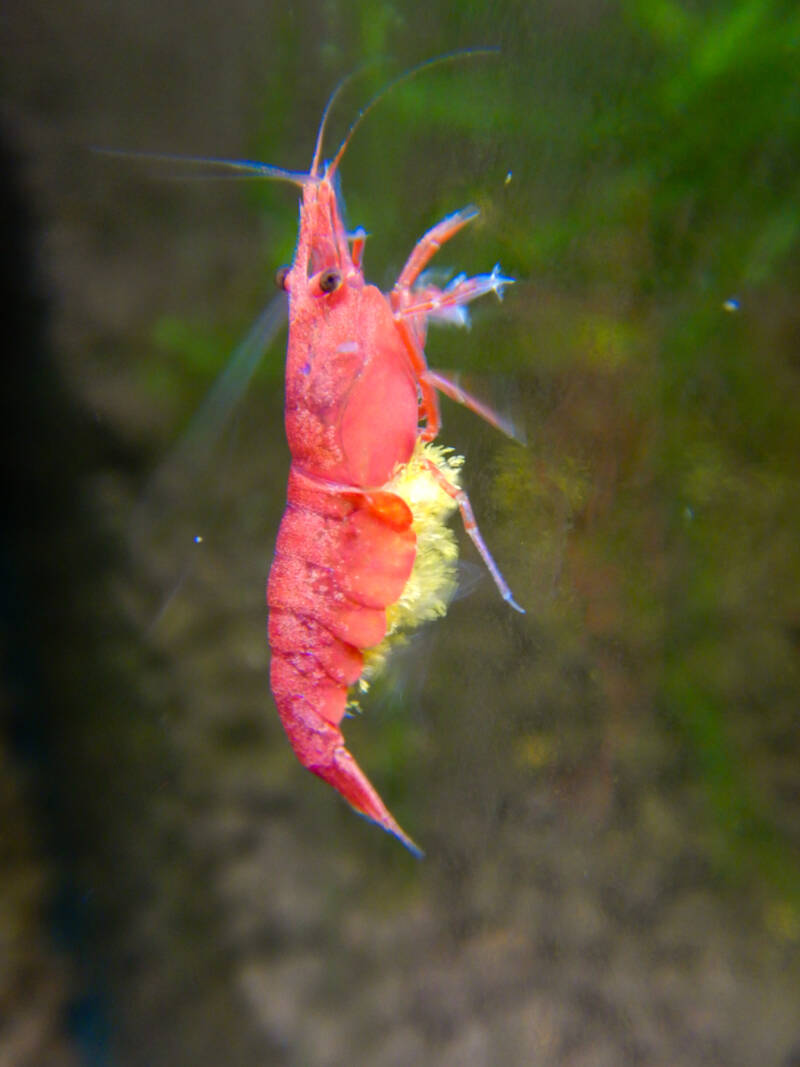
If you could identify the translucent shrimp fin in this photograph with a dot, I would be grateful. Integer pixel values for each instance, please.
(168, 507)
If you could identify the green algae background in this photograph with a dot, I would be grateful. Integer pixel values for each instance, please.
(608, 788)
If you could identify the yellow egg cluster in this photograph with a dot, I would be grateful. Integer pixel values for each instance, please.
(433, 580)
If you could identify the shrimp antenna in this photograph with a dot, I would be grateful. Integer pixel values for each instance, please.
(435, 61)
(337, 89)
(250, 167)
(254, 169)
(323, 121)
(321, 131)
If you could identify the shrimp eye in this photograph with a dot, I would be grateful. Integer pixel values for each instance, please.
(281, 276)
(329, 280)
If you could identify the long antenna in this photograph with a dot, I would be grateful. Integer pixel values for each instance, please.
(448, 57)
(250, 166)
(321, 132)
(254, 169)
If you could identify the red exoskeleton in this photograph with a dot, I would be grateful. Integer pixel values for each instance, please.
(363, 552)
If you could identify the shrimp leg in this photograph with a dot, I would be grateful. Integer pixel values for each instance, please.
(471, 526)
(412, 307)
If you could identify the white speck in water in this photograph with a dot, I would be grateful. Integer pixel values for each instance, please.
(509, 176)
(731, 304)
(197, 539)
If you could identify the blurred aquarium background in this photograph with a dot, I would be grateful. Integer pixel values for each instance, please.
(607, 788)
